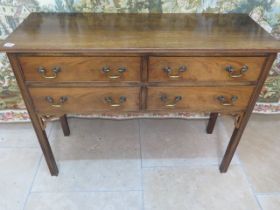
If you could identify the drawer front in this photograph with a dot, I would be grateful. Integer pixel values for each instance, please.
(63, 69)
(199, 98)
(84, 100)
(205, 68)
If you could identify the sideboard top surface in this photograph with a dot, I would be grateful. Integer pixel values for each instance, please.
(74, 32)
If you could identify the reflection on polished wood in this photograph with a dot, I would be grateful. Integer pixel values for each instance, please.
(140, 33)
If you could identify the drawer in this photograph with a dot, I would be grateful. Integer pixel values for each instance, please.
(205, 68)
(75, 69)
(199, 98)
(85, 100)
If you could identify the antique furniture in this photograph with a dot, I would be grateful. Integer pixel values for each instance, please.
(119, 63)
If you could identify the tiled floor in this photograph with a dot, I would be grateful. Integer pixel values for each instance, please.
(141, 165)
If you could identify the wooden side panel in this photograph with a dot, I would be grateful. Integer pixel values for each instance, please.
(35, 119)
(237, 133)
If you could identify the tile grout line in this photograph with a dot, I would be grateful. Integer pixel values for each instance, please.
(188, 165)
(85, 191)
(35, 174)
(32, 182)
(268, 194)
(23, 147)
(250, 184)
(139, 141)
(142, 179)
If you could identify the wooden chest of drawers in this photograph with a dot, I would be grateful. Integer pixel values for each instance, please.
(102, 63)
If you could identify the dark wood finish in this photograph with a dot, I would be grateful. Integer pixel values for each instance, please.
(144, 69)
(141, 84)
(199, 99)
(82, 44)
(64, 125)
(84, 100)
(81, 69)
(204, 68)
(36, 121)
(212, 121)
(237, 133)
(145, 33)
(144, 79)
(143, 99)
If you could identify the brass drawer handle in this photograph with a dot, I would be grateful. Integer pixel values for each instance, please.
(41, 70)
(58, 104)
(169, 71)
(232, 72)
(109, 100)
(106, 70)
(173, 103)
(223, 101)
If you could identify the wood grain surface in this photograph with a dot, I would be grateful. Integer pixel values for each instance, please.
(84, 100)
(81, 44)
(73, 69)
(73, 32)
(199, 99)
(205, 68)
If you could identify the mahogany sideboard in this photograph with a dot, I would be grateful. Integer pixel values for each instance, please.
(82, 63)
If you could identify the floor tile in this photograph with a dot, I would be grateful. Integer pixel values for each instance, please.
(19, 135)
(197, 188)
(259, 151)
(85, 201)
(98, 155)
(270, 202)
(18, 168)
(228, 122)
(172, 142)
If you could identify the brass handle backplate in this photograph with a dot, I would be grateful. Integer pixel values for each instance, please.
(58, 104)
(234, 74)
(170, 103)
(106, 70)
(227, 102)
(109, 100)
(168, 70)
(42, 70)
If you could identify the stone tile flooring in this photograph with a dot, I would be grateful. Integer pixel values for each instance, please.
(141, 164)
